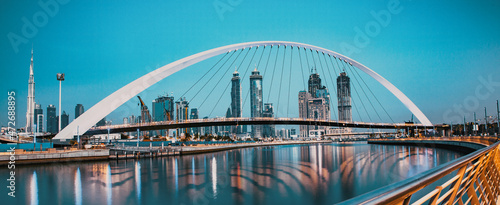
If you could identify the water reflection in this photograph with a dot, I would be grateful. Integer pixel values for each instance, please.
(138, 180)
(292, 174)
(78, 187)
(34, 189)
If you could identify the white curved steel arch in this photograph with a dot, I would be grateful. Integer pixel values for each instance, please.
(119, 97)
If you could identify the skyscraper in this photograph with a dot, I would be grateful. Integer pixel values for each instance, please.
(101, 122)
(51, 119)
(64, 120)
(194, 115)
(303, 110)
(228, 129)
(256, 101)
(314, 104)
(181, 109)
(163, 110)
(38, 118)
(344, 97)
(268, 130)
(79, 110)
(236, 99)
(31, 99)
(314, 83)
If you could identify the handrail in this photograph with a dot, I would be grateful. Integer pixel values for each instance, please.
(401, 192)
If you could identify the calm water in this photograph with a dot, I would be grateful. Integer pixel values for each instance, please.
(291, 174)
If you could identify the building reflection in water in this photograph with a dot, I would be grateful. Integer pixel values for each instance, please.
(138, 180)
(109, 186)
(34, 189)
(214, 177)
(78, 187)
(290, 174)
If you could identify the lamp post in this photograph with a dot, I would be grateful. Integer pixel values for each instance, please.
(60, 78)
(498, 119)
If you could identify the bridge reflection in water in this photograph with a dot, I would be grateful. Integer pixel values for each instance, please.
(291, 174)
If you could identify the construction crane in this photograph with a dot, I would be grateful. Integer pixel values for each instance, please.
(145, 115)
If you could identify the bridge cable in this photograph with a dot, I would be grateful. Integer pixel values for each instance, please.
(248, 91)
(209, 94)
(363, 90)
(289, 82)
(326, 81)
(353, 103)
(203, 75)
(373, 95)
(272, 78)
(356, 91)
(281, 80)
(308, 65)
(229, 83)
(334, 84)
(302, 69)
(246, 71)
(314, 61)
(232, 53)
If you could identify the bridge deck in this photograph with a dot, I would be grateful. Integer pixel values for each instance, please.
(247, 121)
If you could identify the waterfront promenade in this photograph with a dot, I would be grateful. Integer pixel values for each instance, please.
(127, 152)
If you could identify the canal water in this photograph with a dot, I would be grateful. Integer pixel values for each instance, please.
(287, 174)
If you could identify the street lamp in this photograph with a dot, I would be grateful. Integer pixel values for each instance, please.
(60, 78)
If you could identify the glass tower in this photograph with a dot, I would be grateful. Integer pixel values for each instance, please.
(344, 97)
(256, 102)
(236, 100)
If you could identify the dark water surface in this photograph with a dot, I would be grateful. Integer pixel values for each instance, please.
(289, 174)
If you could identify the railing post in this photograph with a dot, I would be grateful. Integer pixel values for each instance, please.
(456, 185)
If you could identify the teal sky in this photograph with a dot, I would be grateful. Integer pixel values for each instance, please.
(435, 52)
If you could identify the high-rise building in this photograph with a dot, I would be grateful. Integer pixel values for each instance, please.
(268, 130)
(206, 130)
(304, 111)
(79, 110)
(344, 97)
(256, 101)
(65, 120)
(132, 119)
(228, 129)
(314, 83)
(38, 118)
(194, 115)
(314, 104)
(51, 119)
(236, 100)
(101, 122)
(30, 112)
(163, 110)
(181, 109)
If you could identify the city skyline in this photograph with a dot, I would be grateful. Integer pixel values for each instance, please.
(475, 65)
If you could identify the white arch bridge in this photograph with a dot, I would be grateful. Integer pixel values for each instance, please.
(100, 110)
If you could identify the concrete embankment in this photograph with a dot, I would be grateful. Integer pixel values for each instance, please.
(23, 157)
(207, 149)
(460, 145)
(53, 156)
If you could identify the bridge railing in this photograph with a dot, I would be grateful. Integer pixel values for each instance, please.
(475, 180)
(222, 119)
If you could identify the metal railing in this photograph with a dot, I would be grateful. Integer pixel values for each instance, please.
(476, 180)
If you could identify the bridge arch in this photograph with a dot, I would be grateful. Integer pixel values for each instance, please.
(100, 110)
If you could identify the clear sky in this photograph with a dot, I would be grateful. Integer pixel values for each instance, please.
(436, 52)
